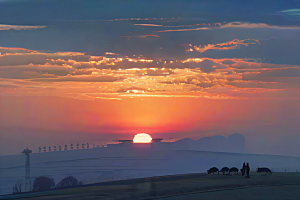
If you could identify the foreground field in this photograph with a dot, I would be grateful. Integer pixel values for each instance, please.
(102, 164)
(190, 186)
(285, 192)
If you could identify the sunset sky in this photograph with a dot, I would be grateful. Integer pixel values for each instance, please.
(79, 71)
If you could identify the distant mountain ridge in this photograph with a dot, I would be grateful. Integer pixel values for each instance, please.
(235, 143)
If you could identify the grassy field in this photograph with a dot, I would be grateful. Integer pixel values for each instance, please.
(190, 186)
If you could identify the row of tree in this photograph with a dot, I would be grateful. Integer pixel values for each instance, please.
(43, 183)
(65, 147)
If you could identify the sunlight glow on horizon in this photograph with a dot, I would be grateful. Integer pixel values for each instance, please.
(142, 138)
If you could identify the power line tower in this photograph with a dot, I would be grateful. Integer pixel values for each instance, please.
(27, 169)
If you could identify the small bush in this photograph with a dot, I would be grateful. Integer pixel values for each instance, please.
(69, 181)
(43, 183)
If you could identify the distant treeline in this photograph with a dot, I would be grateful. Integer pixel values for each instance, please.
(65, 147)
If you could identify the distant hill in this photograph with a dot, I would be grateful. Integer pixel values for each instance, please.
(235, 143)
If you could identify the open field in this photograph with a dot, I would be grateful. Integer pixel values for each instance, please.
(286, 192)
(189, 186)
(105, 164)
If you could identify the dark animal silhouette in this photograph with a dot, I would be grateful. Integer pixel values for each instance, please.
(235, 170)
(224, 169)
(212, 170)
(243, 169)
(263, 169)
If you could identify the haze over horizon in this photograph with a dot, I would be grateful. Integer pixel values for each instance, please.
(88, 71)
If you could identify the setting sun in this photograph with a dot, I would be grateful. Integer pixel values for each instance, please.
(142, 138)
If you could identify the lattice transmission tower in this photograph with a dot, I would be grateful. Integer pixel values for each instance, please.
(27, 169)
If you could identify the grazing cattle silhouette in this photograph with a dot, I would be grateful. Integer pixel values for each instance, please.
(212, 170)
(234, 169)
(224, 169)
(263, 169)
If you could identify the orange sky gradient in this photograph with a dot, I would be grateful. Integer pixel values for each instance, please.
(114, 97)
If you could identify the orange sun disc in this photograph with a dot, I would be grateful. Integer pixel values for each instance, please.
(142, 138)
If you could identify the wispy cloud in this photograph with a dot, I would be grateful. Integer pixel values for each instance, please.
(148, 25)
(291, 11)
(19, 27)
(141, 36)
(255, 25)
(138, 19)
(190, 29)
(226, 45)
(234, 25)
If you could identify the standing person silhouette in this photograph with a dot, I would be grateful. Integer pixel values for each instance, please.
(247, 170)
(243, 169)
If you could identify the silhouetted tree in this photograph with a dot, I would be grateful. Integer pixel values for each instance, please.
(68, 182)
(43, 183)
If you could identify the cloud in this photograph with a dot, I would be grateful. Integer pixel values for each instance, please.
(34, 71)
(138, 19)
(234, 25)
(21, 56)
(7, 84)
(283, 72)
(158, 25)
(142, 36)
(291, 11)
(150, 35)
(83, 76)
(190, 29)
(255, 84)
(208, 66)
(228, 62)
(133, 89)
(19, 27)
(236, 43)
(79, 79)
(4, 50)
(22, 59)
(255, 25)
(147, 25)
